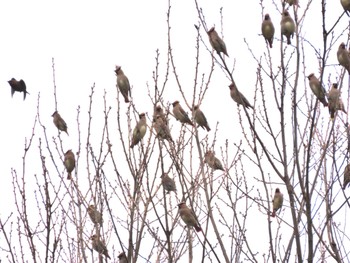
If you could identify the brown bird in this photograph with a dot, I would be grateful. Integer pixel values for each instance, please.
(238, 97)
(334, 100)
(162, 129)
(180, 114)
(268, 30)
(317, 89)
(200, 118)
(287, 26)
(59, 122)
(158, 110)
(168, 183)
(99, 246)
(292, 2)
(212, 161)
(122, 258)
(69, 163)
(346, 6)
(19, 86)
(123, 83)
(346, 176)
(216, 42)
(277, 202)
(343, 57)
(188, 216)
(139, 131)
(95, 216)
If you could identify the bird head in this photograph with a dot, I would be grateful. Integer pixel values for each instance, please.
(121, 255)
(142, 115)
(232, 86)
(53, 114)
(285, 13)
(267, 17)
(182, 204)
(175, 103)
(93, 237)
(211, 30)
(70, 150)
(91, 208)
(310, 76)
(277, 190)
(335, 85)
(117, 69)
(342, 45)
(196, 107)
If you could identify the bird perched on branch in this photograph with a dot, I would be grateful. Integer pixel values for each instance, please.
(292, 2)
(69, 163)
(59, 122)
(346, 176)
(99, 246)
(168, 183)
(158, 110)
(139, 130)
(277, 202)
(95, 216)
(317, 89)
(335, 102)
(238, 97)
(212, 161)
(162, 129)
(122, 258)
(346, 6)
(188, 216)
(123, 83)
(200, 118)
(180, 113)
(18, 86)
(268, 30)
(216, 42)
(343, 57)
(287, 26)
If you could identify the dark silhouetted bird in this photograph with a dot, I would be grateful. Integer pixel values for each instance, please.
(123, 83)
(287, 26)
(99, 246)
(188, 216)
(180, 114)
(277, 202)
(317, 89)
(238, 97)
(19, 86)
(59, 122)
(216, 42)
(268, 30)
(69, 163)
(139, 131)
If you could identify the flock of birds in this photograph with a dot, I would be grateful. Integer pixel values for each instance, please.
(160, 120)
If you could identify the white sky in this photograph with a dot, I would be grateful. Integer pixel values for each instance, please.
(88, 38)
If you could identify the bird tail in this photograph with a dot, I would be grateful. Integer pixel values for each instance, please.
(198, 228)
(69, 176)
(288, 41)
(273, 214)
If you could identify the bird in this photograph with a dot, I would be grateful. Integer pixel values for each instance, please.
(216, 42)
(268, 30)
(346, 6)
(292, 2)
(95, 216)
(346, 176)
(122, 258)
(334, 100)
(139, 130)
(212, 161)
(59, 122)
(123, 83)
(180, 114)
(162, 129)
(238, 97)
(277, 202)
(200, 118)
(344, 57)
(69, 163)
(188, 216)
(168, 183)
(19, 86)
(287, 26)
(317, 89)
(99, 246)
(158, 110)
